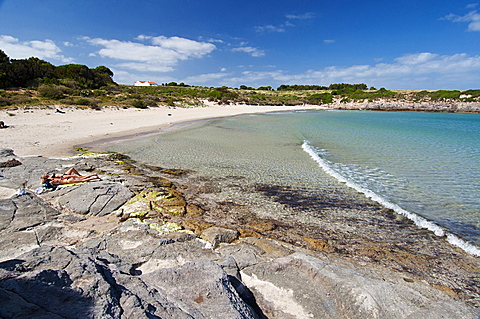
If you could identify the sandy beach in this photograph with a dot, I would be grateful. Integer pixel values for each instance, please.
(46, 132)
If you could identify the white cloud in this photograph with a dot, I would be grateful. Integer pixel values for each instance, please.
(143, 37)
(329, 41)
(304, 16)
(417, 58)
(185, 47)
(205, 78)
(45, 49)
(473, 17)
(283, 26)
(161, 56)
(421, 70)
(270, 28)
(250, 50)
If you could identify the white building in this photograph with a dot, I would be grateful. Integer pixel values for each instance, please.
(145, 83)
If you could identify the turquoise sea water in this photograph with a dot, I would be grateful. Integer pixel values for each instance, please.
(425, 166)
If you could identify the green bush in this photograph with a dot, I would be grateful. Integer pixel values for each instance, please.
(473, 93)
(215, 95)
(4, 101)
(20, 99)
(55, 92)
(320, 98)
(83, 101)
(139, 104)
(444, 95)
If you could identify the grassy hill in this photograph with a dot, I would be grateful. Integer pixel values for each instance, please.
(187, 96)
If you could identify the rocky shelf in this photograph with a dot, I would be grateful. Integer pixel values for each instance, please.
(139, 245)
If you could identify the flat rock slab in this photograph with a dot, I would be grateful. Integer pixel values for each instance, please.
(6, 192)
(92, 198)
(301, 286)
(40, 284)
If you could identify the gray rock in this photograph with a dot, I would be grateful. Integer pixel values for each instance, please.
(24, 212)
(301, 286)
(54, 282)
(202, 285)
(217, 235)
(19, 219)
(92, 198)
(6, 152)
(147, 250)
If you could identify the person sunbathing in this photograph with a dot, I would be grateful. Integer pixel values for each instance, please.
(71, 176)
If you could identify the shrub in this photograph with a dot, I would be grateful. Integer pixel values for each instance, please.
(83, 101)
(139, 104)
(214, 95)
(473, 93)
(54, 92)
(4, 101)
(320, 98)
(20, 99)
(443, 95)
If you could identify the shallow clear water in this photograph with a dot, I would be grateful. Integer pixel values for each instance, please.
(423, 165)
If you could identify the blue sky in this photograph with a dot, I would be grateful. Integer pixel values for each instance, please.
(410, 44)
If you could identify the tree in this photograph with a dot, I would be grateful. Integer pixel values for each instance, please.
(28, 72)
(103, 70)
(85, 77)
(346, 86)
(4, 58)
(4, 65)
(265, 88)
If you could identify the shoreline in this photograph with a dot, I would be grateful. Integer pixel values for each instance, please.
(189, 234)
(420, 222)
(20, 136)
(45, 132)
(429, 260)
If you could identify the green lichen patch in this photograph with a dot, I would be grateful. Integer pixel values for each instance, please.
(93, 154)
(147, 196)
(166, 228)
(138, 214)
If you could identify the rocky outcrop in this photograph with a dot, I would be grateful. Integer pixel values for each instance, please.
(406, 105)
(55, 282)
(300, 286)
(96, 199)
(131, 246)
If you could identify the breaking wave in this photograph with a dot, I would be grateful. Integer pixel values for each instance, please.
(420, 221)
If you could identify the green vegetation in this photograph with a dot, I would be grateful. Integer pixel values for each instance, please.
(335, 86)
(42, 81)
(36, 82)
(127, 96)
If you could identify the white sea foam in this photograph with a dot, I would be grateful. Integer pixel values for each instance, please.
(418, 220)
